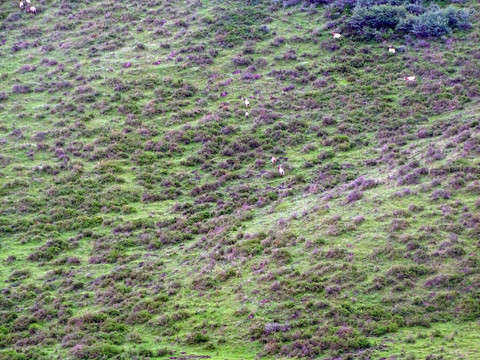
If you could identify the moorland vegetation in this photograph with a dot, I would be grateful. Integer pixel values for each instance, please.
(141, 216)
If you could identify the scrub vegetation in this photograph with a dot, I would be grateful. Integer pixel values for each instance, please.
(141, 216)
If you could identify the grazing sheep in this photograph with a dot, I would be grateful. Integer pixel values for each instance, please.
(336, 35)
(247, 103)
(273, 160)
(391, 50)
(409, 78)
(28, 1)
(246, 114)
(32, 10)
(22, 5)
(281, 171)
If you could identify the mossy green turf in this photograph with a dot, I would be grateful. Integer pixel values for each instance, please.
(203, 291)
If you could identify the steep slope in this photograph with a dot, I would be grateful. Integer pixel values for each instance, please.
(140, 216)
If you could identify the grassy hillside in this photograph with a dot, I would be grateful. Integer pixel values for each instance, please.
(141, 218)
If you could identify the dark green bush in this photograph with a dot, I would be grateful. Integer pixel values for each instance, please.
(405, 25)
(369, 21)
(376, 17)
(96, 351)
(431, 24)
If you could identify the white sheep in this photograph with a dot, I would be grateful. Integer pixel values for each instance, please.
(247, 103)
(273, 160)
(281, 171)
(246, 114)
(336, 35)
(22, 5)
(391, 50)
(33, 10)
(409, 78)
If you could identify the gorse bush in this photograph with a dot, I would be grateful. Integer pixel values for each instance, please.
(377, 17)
(431, 24)
(368, 21)
(436, 23)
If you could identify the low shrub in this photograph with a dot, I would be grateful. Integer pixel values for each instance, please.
(99, 350)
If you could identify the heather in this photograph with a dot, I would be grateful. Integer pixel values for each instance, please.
(141, 216)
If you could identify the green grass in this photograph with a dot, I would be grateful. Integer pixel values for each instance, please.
(449, 340)
(172, 227)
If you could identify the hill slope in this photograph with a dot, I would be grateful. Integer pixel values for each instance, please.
(140, 216)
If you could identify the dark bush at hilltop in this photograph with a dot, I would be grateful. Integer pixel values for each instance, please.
(391, 20)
